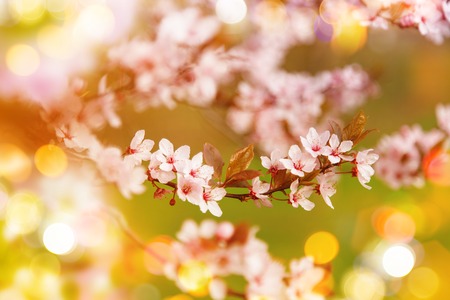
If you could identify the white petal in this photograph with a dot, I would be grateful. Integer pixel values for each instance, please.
(137, 139)
(214, 208)
(334, 141)
(166, 147)
(307, 205)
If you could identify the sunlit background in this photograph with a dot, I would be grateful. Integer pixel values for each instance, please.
(57, 236)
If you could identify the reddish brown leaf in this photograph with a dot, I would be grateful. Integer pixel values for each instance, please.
(282, 178)
(310, 176)
(355, 131)
(336, 129)
(240, 235)
(245, 175)
(237, 183)
(239, 161)
(213, 158)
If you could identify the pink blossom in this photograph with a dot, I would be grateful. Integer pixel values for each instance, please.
(257, 192)
(210, 198)
(326, 186)
(316, 144)
(189, 189)
(267, 281)
(217, 289)
(195, 168)
(168, 157)
(443, 115)
(298, 162)
(155, 173)
(300, 196)
(364, 170)
(338, 150)
(77, 136)
(139, 149)
(304, 278)
(273, 164)
(128, 178)
(188, 27)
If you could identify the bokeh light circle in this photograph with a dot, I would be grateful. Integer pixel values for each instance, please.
(159, 252)
(95, 23)
(50, 160)
(322, 246)
(23, 213)
(231, 11)
(398, 260)
(22, 60)
(361, 284)
(59, 239)
(194, 277)
(15, 165)
(423, 282)
(45, 263)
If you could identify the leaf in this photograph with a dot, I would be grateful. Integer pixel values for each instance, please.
(245, 175)
(282, 178)
(310, 176)
(355, 128)
(213, 158)
(336, 129)
(239, 161)
(237, 184)
(241, 233)
(355, 131)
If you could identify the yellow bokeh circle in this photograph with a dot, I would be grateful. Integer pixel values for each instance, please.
(322, 246)
(423, 282)
(50, 160)
(22, 60)
(15, 165)
(195, 276)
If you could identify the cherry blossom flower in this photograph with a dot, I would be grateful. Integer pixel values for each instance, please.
(273, 164)
(77, 136)
(189, 189)
(327, 182)
(139, 149)
(195, 168)
(155, 173)
(257, 192)
(114, 168)
(316, 144)
(298, 162)
(210, 198)
(304, 278)
(338, 150)
(443, 114)
(168, 157)
(300, 196)
(363, 169)
(217, 289)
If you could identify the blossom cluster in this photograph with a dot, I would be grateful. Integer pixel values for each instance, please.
(173, 172)
(412, 155)
(217, 250)
(182, 61)
(430, 17)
